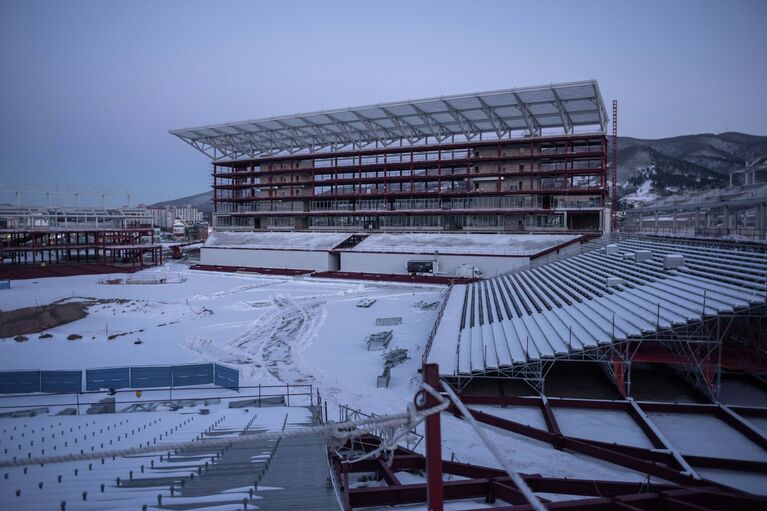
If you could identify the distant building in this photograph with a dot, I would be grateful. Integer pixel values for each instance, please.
(73, 217)
(179, 227)
(164, 217)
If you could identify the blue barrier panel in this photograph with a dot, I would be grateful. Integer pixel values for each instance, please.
(146, 377)
(61, 381)
(226, 377)
(112, 378)
(192, 374)
(17, 382)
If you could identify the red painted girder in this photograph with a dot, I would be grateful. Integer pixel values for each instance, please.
(618, 458)
(435, 492)
(387, 473)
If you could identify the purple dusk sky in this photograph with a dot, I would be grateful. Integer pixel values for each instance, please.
(91, 88)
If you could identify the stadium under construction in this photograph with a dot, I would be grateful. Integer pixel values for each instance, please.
(55, 240)
(527, 159)
(499, 165)
(599, 363)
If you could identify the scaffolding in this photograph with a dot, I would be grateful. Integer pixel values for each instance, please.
(36, 247)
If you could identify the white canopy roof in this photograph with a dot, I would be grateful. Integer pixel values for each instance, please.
(555, 108)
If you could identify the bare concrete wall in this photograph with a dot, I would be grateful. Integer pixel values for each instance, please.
(294, 259)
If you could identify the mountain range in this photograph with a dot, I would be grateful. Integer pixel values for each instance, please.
(654, 168)
(647, 168)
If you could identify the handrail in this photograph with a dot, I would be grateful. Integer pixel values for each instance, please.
(433, 333)
(347, 413)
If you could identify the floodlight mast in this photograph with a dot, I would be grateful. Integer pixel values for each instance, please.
(614, 187)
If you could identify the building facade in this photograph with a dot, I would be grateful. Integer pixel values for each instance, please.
(165, 216)
(517, 160)
(535, 184)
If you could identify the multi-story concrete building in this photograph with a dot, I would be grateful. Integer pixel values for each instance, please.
(515, 160)
(165, 216)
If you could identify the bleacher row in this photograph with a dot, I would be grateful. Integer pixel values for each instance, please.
(590, 299)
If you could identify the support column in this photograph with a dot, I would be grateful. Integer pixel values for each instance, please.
(434, 494)
(656, 222)
(673, 221)
(697, 221)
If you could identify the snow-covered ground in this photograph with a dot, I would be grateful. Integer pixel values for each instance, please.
(281, 330)
(464, 243)
(643, 194)
(273, 329)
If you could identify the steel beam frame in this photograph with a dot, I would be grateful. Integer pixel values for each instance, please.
(501, 113)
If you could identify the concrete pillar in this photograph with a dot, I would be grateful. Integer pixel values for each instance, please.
(656, 222)
(726, 219)
(673, 221)
(696, 227)
(761, 221)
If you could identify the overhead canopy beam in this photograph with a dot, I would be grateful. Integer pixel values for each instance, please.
(555, 108)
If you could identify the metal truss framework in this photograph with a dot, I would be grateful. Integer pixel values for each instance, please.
(684, 489)
(33, 247)
(697, 351)
(498, 114)
(72, 217)
(53, 194)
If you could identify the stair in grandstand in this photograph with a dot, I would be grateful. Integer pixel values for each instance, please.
(198, 475)
(297, 476)
(286, 473)
(351, 241)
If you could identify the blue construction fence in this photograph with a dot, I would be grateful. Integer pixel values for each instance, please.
(133, 377)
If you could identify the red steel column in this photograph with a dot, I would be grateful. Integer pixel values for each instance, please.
(434, 496)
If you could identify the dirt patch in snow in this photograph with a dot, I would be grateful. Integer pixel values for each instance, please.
(31, 320)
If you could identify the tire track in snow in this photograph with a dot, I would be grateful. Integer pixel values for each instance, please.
(274, 342)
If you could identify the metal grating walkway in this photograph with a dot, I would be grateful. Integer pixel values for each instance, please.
(299, 468)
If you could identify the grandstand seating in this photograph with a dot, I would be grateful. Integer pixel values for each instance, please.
(592, 299)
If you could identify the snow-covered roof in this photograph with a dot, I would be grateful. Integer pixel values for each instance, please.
(276, 240)
(568, 306)
(481, 244)
(526, 110)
